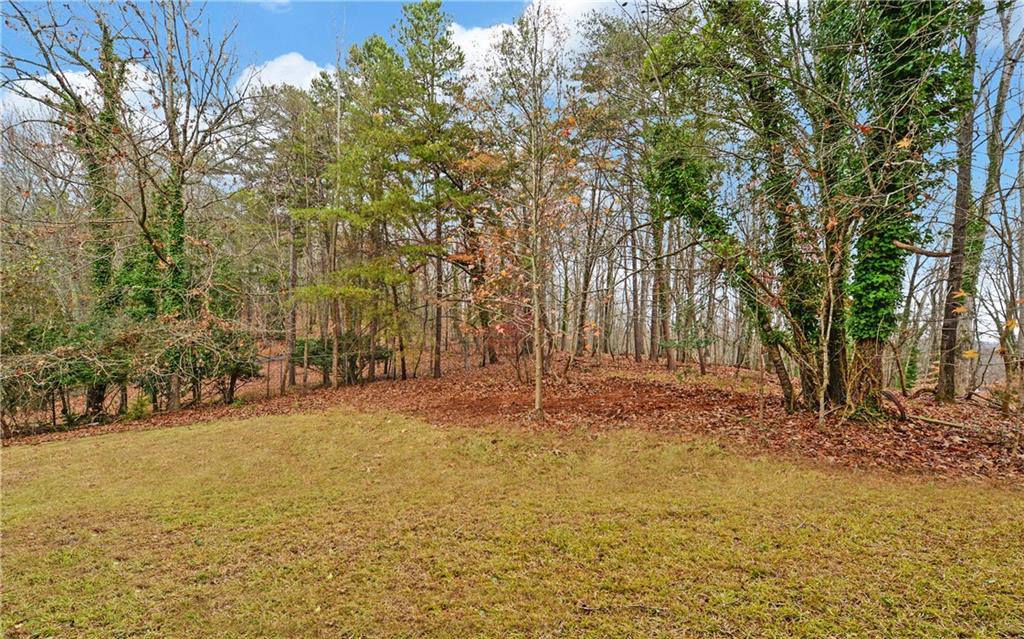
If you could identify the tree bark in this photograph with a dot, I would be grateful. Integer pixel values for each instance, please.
(866, 393)
(95, 396)
(638, 331)
(946, 390)
(174, 393)
(290, 330)
(435, 368)
(656, 229)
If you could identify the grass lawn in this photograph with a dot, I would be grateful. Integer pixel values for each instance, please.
(345, 524)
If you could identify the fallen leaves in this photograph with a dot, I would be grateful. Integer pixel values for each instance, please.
(725, 405)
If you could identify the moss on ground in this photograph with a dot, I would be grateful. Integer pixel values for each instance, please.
(345, 524)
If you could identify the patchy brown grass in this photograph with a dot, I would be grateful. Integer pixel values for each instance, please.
(348, 524)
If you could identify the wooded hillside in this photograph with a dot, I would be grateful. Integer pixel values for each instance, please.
(827, 191)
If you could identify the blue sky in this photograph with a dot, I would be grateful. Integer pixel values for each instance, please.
(291, 41)
(268, 29)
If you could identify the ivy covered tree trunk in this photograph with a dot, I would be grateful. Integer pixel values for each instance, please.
(102, 267)
(101, 271)
(916, 92)
(172, 211)
(173, 300)
(801, 285)
(95, 139)
(877, 289)
(97, 144)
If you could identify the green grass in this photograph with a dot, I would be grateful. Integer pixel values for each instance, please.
(344, 524)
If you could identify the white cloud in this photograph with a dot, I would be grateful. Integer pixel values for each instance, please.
(292, 69)
(572, 15)
(23, 101)
(477, 43)
(277, 6)
(573, 12)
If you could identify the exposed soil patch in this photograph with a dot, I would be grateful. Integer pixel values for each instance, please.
(735, 407)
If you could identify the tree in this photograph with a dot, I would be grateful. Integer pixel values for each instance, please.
(913, 99)
(438, 138)
(527, 76)
(372, 193)
(93, 127)
(946, 389)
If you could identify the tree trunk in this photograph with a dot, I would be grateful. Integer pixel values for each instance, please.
(95, 396)
(946, 390)
(174, 393)
(779, 366)
(655, 295)
(538, 343)
(836, 367)
(609, 306)
(581, 315)
(400, 330)
(335, 354)
(290, 330)
(373, 352)
(866, 393)
(662, 295)
(65, 405)
(229, 388)
(305, 354)
(638, 330)
(438, 293)
(995, 150)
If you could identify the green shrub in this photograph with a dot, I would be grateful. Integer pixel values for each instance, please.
(138, 408)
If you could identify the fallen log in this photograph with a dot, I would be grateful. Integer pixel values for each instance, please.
(940, 422)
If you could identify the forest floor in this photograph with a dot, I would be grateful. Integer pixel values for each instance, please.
(349, 523)
(738, 408)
